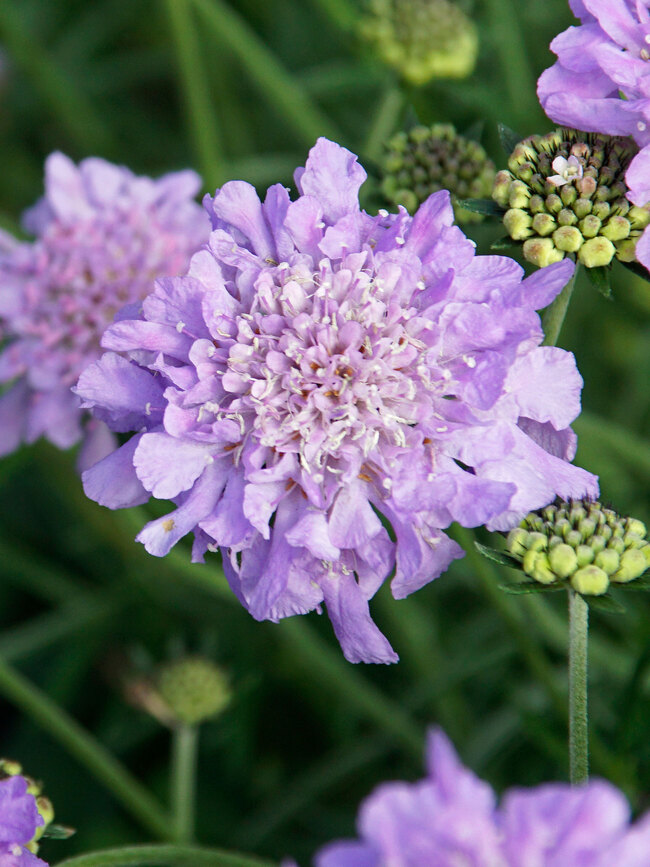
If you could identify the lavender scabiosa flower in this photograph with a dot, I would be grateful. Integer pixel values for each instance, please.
(452, 818)
(19, 821)
(321, 374)
(601, 83)
(102, 236)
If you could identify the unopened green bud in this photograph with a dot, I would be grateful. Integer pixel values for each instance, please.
(501, 188)
(633, 565)
(566, 217)
(581, 208)
(573, 538)
(617, 229)
(568, 195)
(518, 195)
(590, 226)
(10, 768)
(585, 555)
(598, 543)
(608, 561)
(640, 217)
(635, 527)
(517, 542)
(518, 223)
(542, 571)
(544, 224)
(568, 239)
(590, 581)
(596, 252)
(194, 689)
(541, 252)
(626, 250)
(563, 560)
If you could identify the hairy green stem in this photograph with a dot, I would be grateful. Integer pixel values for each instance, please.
(164, 856)
(578, 725)
(185, 744)
(86, 749)
(554, 315)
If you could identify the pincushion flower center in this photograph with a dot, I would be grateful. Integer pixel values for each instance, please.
(324, 366)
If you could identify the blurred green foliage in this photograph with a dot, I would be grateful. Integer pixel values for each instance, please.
(241, 89)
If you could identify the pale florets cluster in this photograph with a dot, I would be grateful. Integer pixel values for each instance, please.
(321, 375)
(103, 235)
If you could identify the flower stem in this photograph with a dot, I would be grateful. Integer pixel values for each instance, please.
(553, 317)
(578, 730)
(86, 749)
(185, 743)
(164, 856)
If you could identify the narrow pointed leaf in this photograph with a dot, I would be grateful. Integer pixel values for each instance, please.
(604, 603)
(486, 207)
(528, 587)
(499, 557)
(600, 279)
(638, 269)
(509, 138)
(505, 243)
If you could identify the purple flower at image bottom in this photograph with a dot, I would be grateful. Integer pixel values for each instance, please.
(601, 83)
(452, 818)
(19, 819)
(326, 391)
(102, 237)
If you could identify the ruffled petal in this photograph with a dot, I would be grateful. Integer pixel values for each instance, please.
(333, 177)
(112, 482)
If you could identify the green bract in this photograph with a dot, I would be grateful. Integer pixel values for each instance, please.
(583, 542)
(566, 193)
(427, 159)
(422, 39)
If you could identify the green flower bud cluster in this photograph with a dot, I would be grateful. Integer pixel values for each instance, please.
(426, 159)
(193, 689)
(422, 39)
(566, 193)
(581, 542)
(10, 768)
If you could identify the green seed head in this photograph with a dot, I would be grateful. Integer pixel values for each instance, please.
(572, 180)
(194, 689)
(422, 39)
(583, 542)
(427, 159)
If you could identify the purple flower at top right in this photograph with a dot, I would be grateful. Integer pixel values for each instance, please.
(601, 83)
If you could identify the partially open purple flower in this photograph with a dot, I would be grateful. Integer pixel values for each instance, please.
(326, 391)
(601, 83)
(19, 819)
(102, 236)
(451, 818)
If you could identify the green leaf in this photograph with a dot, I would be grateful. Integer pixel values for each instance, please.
(640, 583)
(474, 131)
(600, 279)
(58, 832)
(607, 604)
(527, 587)
(638, 269)
(499, 557)
(505, 243)
(509, 138)
(482, 206)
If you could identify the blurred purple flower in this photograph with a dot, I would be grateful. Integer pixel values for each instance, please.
(19, 819)
(601, 83)
(102, 236)
(320, 370)
(452, 818)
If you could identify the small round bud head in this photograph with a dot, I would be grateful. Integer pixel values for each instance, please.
(590, 581)
(567, 238)
(536, 205)
(544, 224)
(606, 532)
(194, 689)
(541, 252)
(569, 194)
(590, 226)
(616, 543)
(602, 210)
(617, 229)
(530, 558)
(598, 543)
(639, 217)
(553, 541)
(585, 555)
(518, 224)
(608, 561)
(542, 571)
(554, 203)
(563, 560)
(633, 565)
(517, 542)
(422, 39)
(577, 514)
(587, 527)
(10, 768)
(432, 158)
(596, 252)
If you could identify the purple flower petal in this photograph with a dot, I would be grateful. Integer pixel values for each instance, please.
(333, 177)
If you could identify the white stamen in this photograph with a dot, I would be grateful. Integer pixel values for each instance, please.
(180, 325)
